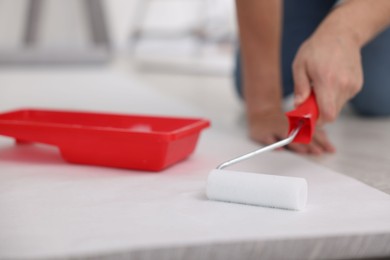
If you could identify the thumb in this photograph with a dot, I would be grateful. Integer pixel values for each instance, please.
(302, 86)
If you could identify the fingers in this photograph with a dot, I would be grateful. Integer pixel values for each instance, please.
(326, 103)
(269, 140)
(325, 99)
(299, 148)
(271, 130)
(309, 149)
(320, 145)
(322, 139)
(302, 86)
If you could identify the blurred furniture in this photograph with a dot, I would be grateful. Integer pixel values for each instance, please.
(54, 32)
(193, 36)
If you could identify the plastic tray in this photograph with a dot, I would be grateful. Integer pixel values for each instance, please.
(148, 143)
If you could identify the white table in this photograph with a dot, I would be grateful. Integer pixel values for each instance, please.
(52, 209)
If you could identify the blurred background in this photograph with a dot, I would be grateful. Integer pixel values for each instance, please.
(127, 56)
(121, 56)
(170, 36)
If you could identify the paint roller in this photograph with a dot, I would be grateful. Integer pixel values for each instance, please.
(267, 190)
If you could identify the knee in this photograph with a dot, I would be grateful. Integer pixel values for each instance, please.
(374, 98)
(371, 108)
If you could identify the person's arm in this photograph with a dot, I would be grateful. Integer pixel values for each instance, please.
(260, 32)
(330, 59)
(361, 20)
(260, 23)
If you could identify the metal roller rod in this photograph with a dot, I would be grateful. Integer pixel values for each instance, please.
(276, 145)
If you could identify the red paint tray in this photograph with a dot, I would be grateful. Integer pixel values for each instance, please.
(126, 141)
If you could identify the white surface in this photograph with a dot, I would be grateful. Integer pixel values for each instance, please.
(51, 208)
(257, 189)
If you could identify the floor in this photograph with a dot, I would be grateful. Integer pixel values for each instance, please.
(362, 143)
(362, 153)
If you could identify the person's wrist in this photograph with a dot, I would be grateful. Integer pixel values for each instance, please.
(263, 109)
(335, 27)
(353, 39)
(344, 37)
(263, 102)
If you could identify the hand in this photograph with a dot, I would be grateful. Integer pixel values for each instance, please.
(271, 126)
(331, 64)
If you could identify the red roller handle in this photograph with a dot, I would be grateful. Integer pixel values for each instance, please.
(307, 113)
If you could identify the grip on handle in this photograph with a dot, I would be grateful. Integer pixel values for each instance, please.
(307, 112)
